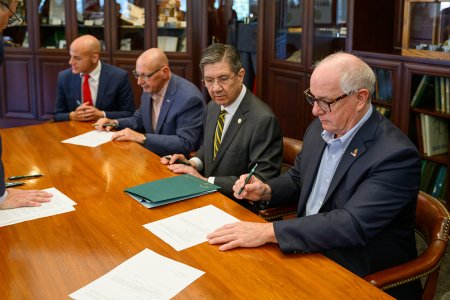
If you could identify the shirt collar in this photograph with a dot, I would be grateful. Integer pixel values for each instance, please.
(231, 109)
(160, 95)
(328, 136)
(95, 74)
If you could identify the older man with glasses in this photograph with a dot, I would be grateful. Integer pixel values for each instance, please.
(356, 180)
(13, 198)
(241, 131)
(170, 118)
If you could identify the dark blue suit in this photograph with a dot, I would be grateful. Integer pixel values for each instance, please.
(180, 121)
(114, 95)
(2, 171)
(366, 222)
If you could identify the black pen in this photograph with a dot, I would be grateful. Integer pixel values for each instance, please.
(248, 178)
(168, 157)
(11, 184)
(24, 176)
(106, 124)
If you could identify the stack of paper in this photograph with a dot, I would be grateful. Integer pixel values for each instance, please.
(147, 275)
(191, 227)
(92, 138)
(59, 204)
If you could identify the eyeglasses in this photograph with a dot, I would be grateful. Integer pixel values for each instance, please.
(324, 104)
(222, 80)
(145, 76)
(13, 20)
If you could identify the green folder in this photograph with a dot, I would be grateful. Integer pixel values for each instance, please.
(171, 189)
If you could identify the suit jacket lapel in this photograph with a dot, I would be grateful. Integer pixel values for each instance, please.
(103, 80)
(167, 103)
(354, 151)
(76, 83)
(233, 128)
(312, 159)
(210, 129)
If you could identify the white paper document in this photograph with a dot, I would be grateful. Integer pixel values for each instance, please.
(59, 204)
(147, 275)
(190, 228)
(92, 138)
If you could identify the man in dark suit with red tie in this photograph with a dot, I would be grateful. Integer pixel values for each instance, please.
(12, 198)
(92, 89)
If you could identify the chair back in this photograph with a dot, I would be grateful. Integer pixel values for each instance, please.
(291, 148)
(433, 224)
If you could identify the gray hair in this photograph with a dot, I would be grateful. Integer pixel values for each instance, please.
(355, 73)
(218, 52)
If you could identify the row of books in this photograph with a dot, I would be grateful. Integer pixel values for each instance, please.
(383, 85)
(434, 179)
(432, 134)
(432, 92)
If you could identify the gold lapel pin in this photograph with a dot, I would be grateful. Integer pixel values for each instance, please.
(239, 121)
(354, 152)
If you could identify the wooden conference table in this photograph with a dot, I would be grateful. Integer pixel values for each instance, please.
(51, 257)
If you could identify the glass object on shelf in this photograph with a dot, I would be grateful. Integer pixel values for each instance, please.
(172, 24)
(131, 22)
(16, 34)
(91, 19)
(427, 29)
(52, 21)
(330, 29)
(288, 30)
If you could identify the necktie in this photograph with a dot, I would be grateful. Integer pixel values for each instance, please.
(219, 130)
(87, 97)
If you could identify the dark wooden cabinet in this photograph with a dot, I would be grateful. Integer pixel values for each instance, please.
(289, 46)
(39, 47)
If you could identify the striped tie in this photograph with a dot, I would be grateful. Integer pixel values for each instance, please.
(219, 130)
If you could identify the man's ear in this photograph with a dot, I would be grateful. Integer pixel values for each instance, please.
(363, 97)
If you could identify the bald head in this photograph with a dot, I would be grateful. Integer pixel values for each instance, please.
(351, 72)
(153, 70)
(152, 59)
(87, 43)
(84, 54)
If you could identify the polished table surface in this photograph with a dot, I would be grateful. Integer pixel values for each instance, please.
(51, 257)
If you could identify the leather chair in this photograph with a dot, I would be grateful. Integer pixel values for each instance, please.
(291, 148)
(432, 224)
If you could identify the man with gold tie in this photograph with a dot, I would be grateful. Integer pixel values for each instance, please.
(240, 129)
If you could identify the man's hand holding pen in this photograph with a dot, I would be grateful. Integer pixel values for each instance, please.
(105, 124)
(251, 188)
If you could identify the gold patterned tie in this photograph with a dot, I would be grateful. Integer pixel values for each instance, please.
(219, 130)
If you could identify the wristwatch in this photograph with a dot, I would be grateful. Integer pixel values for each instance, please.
(144, 138)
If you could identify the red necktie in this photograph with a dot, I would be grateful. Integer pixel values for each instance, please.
(87, 98)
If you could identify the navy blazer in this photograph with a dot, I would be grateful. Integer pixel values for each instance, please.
(2, 171)
(180, 121)
(366, 222)
(253, 136)
(114, 95)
